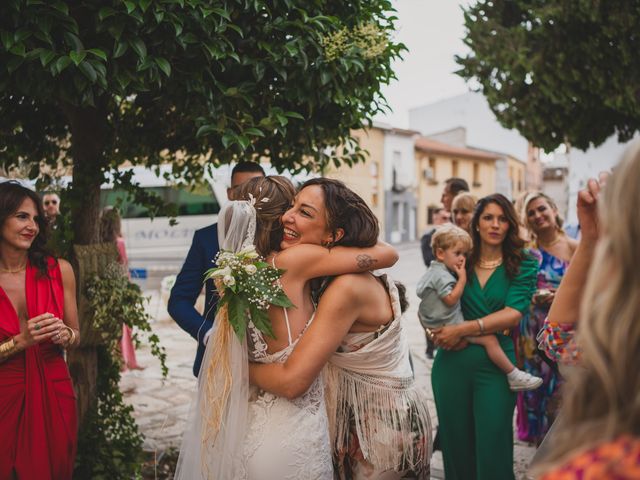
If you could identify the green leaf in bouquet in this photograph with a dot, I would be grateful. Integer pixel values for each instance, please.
(237, 313)
(281, 300)
(260, 319)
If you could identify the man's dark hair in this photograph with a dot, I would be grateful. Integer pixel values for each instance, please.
(457, 185)
(243, 167)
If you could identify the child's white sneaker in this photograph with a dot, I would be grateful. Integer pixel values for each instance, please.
(520, 381)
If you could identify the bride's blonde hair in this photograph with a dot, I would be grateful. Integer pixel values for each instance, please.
(602, 397)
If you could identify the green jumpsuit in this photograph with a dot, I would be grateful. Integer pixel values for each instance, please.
(473, 400)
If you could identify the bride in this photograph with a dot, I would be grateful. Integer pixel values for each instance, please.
(234, 432)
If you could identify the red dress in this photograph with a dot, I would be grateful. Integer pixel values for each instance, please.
(37, 402)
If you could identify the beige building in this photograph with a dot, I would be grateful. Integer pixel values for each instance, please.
(437, 161)
(366, 178)
(386, 179)
(517, 171)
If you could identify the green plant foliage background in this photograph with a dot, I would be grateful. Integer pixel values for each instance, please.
(558, 71)
(110, 444)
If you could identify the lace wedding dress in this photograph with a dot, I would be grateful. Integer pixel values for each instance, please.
(286, 439)
(235, 431)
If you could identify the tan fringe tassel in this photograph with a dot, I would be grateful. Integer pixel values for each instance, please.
(218, 383)
(387, 413)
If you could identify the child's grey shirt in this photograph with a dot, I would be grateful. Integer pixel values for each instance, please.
(434, 285)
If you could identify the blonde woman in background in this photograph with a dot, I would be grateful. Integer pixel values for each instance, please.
(462, 210)
(598, 434)
(553, 249)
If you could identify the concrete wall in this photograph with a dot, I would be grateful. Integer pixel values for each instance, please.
(441, 167)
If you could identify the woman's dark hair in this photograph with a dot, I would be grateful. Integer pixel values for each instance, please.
(348, 211)
(12, 194)
(512, 246)
(110, 225)
(402, 295)
(278, 193)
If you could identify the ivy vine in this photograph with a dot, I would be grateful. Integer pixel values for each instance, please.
(110, 444)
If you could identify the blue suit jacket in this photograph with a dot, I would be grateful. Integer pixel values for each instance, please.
(188, 286)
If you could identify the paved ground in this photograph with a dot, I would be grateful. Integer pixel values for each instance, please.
(161, 406)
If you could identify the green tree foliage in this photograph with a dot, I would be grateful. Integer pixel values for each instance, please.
(95, 83)
(561, 70)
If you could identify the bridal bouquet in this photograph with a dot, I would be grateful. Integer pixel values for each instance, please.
(247, 286)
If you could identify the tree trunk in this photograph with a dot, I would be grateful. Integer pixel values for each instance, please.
(88, 134)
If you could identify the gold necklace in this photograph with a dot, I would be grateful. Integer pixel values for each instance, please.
(489, 265)
(8, 270)
(550, 244)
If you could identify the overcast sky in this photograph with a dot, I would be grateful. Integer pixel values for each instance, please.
(432, 30)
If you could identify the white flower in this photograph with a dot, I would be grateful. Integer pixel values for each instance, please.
(250, 269)
(228, 280)
(221, 272)
(249, 252)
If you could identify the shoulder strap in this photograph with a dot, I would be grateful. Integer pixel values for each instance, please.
(286, 316)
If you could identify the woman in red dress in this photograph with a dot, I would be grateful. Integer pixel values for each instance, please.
(38, 320)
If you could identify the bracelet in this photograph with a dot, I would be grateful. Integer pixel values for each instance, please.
(7, 349)
(72, 340)
(481, 325)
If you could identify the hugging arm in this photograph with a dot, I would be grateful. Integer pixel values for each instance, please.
(312, 261)
(338, 310)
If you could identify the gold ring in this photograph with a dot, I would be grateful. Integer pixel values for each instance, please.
(37, 327)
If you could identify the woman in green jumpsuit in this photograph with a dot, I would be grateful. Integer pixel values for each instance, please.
(473, 400)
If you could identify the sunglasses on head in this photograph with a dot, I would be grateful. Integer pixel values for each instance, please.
(52, 202)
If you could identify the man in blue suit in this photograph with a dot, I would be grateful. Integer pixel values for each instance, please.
(188, 285)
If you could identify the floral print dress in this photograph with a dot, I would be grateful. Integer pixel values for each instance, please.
(537, 409)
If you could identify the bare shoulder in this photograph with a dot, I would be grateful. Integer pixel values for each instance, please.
(350, 285)
(573, 244)
(66, 270)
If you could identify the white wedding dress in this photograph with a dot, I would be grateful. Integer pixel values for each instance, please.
(256, 435)
(286, 439)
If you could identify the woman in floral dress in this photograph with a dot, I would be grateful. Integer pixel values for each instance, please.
(553, 249)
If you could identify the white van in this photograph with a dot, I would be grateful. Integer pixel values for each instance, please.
(154, 247)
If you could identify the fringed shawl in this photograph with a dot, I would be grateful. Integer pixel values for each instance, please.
(373, 389)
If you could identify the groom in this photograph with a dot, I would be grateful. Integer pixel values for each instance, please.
(188, 285)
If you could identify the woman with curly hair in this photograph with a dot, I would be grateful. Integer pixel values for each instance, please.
(38, 320)
(473, 400)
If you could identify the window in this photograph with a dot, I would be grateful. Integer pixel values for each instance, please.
(454, 168)
(476, 174)
(432, 166)
(201, 201)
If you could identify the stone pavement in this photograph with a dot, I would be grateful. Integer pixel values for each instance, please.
(161, 406)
